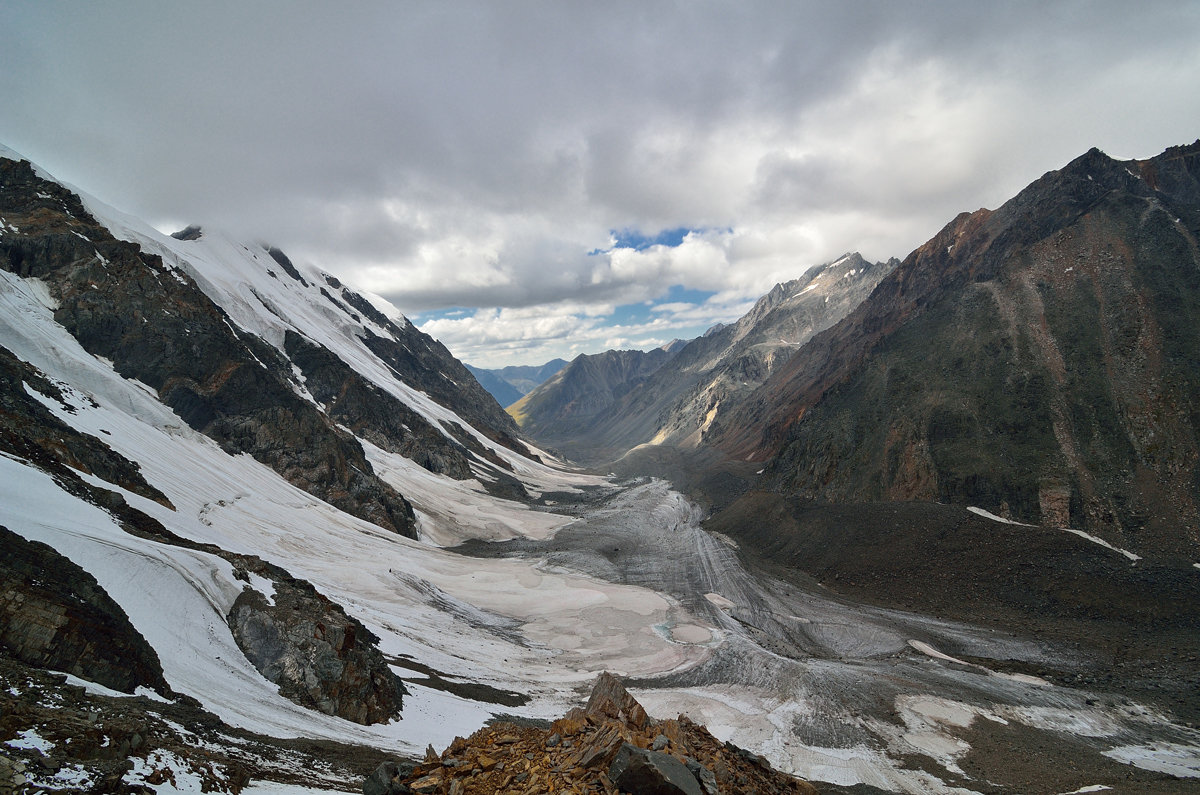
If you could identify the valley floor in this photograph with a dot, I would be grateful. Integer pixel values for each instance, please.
(862, 698)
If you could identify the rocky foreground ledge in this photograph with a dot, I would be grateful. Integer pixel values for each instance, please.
(611, 746)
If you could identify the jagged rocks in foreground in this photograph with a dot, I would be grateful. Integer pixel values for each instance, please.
(71, 737)
(610, 746)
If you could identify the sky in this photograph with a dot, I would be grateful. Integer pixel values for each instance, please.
(531, 180)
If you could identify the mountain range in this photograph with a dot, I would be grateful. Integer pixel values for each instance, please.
(601, 406)
(510, 384)
(936, 524)
(1038, 360)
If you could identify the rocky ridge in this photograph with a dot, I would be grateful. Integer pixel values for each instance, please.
(1038, 361)
(708, 377)
(583, 389)
(610, 746)
(154, 324)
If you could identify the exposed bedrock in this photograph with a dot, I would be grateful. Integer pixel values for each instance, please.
(320, 657)
(54, 615)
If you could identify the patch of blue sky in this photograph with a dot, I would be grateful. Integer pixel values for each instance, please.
(450, 312)
(635, 239)
(640, 241)
(644, 311)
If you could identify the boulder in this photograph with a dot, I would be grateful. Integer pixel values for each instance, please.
(320, 657)
(386, 780)
(610, 699)
(651, 773)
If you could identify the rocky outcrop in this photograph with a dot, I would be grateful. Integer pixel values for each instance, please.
(155, 325)
(31, 432)
(55, 615)
(1038, 361)
(320, 657)
(608, 747)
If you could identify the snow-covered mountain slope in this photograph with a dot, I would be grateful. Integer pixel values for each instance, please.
(266, 294)
(211, 503)
(230, 455)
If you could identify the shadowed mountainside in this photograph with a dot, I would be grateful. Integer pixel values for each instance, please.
(1041, 361)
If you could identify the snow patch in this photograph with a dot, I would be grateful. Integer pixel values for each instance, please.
(276, 788)
(720, 601)
(928, 721)
(926, 649)
(930, 651)
(179, 775)
(264, 586)
(96, 689)
(995, 518)
(1177, 760)
(30, 740)
(68, 776)
(1097, 540)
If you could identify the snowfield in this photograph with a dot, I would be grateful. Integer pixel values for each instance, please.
(633, 585)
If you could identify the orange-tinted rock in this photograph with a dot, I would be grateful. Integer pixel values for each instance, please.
(506, 758)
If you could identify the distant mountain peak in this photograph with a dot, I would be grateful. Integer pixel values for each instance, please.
(684, 396)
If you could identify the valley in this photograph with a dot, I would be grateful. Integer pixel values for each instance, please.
(822, 686)
(325, 543)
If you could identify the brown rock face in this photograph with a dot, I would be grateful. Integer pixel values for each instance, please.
(583, 751)
(610, 699)
(55, 615)
(1038, 361)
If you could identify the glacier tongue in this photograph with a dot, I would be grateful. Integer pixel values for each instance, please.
(532, 604)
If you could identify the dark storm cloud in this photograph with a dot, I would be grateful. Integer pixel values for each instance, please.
(471, 154)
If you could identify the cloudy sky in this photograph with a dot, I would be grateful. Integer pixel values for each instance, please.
(536, 179)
